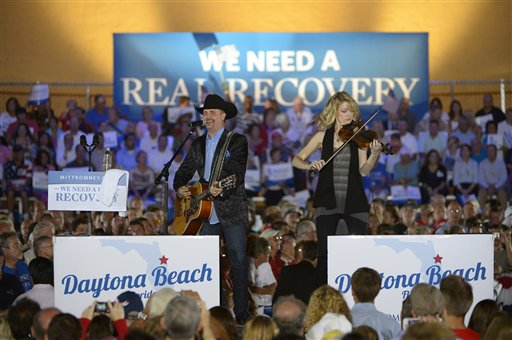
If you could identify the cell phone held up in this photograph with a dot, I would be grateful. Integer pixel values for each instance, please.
(102, 308)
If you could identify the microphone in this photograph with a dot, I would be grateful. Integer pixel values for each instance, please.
(197, 123)
(83, 141)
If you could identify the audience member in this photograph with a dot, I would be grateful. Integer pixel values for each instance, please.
(432, 177)
(326, 299)
(260, 327)
(64, 327)
(483, 314)
(143, 126)
(262, 282)
(126, 156)
(10, 286)
(224, 317)
(424, 331)
(366, 284)
(505, 131)
(492, 175)
(182, 318)
(99, 113)
(80, 160)
(114, 311)
(458, 298)
(42, 228)
(289, 313)
(500, 328)
(303, 272)
(20, 318)
(142, 178)
(463, 132)
(150, 140)
(41, 272)
(11, 248)
(489, 109)
(9, 115)
(18, 178)
(454, 218)
(41, 322)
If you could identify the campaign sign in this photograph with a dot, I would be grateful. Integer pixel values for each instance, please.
(404, 261)
(39, 181)
(79, 191)
(100, 268)
(148, 71)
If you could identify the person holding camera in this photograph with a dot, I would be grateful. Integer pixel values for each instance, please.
(97, 310)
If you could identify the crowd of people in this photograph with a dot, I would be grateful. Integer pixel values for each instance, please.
(462, 187)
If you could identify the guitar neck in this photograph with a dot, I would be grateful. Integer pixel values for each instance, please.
(203, 195)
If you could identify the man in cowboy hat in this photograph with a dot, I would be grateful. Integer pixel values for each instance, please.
(230, 209)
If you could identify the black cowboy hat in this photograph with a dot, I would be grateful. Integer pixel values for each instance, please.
(214, 101)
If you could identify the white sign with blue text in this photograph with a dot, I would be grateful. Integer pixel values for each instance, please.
(105, 266)
(82, 190)
(404, 261)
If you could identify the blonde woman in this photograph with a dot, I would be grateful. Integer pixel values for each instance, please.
(260, 327)
(325, 299)
(339, 179)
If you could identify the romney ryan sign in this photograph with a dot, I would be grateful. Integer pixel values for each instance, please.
(156, 69)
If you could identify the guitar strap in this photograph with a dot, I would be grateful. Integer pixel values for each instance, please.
(219, 161)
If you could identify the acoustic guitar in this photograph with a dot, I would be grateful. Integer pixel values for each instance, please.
(190, 213)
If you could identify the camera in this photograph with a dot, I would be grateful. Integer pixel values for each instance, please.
(101, 307)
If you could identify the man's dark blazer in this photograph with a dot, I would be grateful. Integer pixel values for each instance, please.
(231, 206)
(299, 280)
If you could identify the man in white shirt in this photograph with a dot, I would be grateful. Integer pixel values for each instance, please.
(41, 271)
(407, 138)
(505, 130)
(150, 140)
(433, 139)
(158, 157)
(492, 174)
(74, 130)
(463, 133)
(300, 117)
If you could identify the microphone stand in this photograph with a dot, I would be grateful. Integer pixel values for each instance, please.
(165, 175)
(89, 149)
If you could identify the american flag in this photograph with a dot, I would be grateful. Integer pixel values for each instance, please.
(390, 103)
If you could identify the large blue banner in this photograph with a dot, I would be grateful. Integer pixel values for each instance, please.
(155, 69)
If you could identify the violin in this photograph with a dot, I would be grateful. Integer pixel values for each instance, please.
(363, 138)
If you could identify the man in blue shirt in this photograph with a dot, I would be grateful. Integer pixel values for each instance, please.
(14, 264)
(99, 113)
(229, 215)
(366, 284)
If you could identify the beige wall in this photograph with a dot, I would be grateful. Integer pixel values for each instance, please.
(52, 41)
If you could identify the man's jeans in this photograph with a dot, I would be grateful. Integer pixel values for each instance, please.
(236, 241)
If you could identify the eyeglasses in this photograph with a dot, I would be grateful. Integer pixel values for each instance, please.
(455, 210)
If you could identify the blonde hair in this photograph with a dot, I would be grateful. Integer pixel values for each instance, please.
(328, 115)
(260, 327)
(325, 299)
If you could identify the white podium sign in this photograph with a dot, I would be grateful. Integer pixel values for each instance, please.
(404, 261)
(79, 191)
(100, 268)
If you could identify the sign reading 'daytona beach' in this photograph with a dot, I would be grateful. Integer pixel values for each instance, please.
(80, 191)
(102, 267)
(404, 261)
